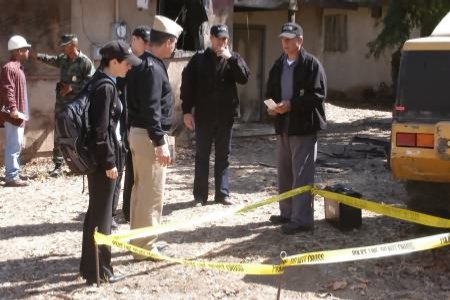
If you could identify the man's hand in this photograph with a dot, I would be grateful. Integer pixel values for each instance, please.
(225, 52)
(163, 155)
(14, 114)
(283, 107)
(272, 112)
(189, 122)
(112, 173)
(65, 89)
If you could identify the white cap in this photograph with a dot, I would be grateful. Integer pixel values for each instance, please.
(166, 25)
(17, 42)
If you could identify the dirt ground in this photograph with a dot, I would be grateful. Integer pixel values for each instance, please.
(41, 229)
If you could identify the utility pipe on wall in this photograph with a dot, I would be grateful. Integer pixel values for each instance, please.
(116, 11)
(292, 9)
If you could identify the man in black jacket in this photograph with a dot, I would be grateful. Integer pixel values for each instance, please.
(297, 84)
(210, 103)
(150, 108)
(140, 39)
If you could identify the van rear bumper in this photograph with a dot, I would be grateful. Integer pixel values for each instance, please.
(421, 164)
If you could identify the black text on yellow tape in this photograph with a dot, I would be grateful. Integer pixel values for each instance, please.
(242, 268)
(369, 252)
(386, 210)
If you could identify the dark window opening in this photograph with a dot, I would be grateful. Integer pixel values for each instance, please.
(423, 89)
(335, 33)
(191, 15)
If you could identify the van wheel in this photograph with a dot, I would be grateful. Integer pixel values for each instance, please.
(429, 197)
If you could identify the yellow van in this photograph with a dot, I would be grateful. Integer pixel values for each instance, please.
(420, 137)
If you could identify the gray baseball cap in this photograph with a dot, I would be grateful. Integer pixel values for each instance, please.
(291, 30)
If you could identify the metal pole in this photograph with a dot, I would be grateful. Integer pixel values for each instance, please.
(291, 16)
(97, 263)
(280, 278)
(292, 9)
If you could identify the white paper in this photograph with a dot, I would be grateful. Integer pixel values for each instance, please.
(20, 115)
(270, 103)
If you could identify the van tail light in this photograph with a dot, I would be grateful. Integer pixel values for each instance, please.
(406, 139)
(425, 140)
(399, 108)
(420, 140)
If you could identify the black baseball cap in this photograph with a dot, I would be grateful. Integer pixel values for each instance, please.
(143, 32)
(291, 30)
(220, 31)
(119, 50)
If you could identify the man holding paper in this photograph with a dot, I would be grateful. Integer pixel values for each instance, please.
(14, 108)
(297, 85)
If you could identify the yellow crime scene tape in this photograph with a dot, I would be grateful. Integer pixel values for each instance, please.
(243, 268)
(310, 258)
(386, 210)
(164, 228)
(276, 198)
(368, 252)
(318, 257)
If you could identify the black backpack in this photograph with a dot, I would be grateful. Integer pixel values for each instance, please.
(74, 131)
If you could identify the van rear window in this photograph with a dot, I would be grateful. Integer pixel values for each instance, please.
(424, 85)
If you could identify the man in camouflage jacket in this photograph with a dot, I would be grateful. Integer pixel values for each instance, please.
(75, 71)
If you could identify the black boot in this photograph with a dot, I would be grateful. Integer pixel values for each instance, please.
(57, 171)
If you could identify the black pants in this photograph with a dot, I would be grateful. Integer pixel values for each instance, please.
(205, 134)
(101, 190)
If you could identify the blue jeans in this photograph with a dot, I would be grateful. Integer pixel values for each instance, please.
(218, 132)
(13, 146)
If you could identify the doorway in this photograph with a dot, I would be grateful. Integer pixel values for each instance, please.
(248, 41)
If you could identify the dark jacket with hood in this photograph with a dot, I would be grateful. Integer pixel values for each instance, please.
(307, 114)
(104, 114)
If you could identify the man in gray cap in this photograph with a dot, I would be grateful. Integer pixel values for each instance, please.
(209, 87)
(75, 70)
(150, 110)
(297, 83)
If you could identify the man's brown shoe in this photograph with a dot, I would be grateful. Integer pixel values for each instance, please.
(16, 183)
(224, 201)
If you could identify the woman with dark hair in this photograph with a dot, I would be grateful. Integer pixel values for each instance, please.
(105, 113)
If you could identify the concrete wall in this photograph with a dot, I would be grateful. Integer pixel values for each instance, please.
(360, 72)
(94, 19)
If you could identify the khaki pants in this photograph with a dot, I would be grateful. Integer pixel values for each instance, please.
(148, 189)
